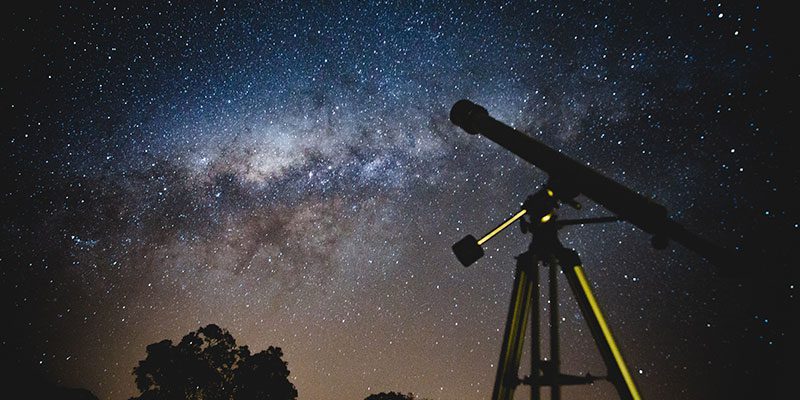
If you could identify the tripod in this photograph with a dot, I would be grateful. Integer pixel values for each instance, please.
(546, 249)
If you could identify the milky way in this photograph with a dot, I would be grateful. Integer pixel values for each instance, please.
(289, 173)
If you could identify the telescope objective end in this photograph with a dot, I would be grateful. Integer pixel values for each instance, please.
(463, 115)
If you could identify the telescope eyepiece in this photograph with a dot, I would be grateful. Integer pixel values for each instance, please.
(463, 115)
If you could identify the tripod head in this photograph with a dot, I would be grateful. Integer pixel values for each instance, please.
(540, 209)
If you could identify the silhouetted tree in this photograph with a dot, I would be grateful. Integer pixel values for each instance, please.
(264, 375)
(208, 365)
(391, 396)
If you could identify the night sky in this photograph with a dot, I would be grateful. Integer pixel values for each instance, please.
(289, 173)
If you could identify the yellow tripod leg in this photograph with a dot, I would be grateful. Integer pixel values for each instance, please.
(602, 334)
(507, 380)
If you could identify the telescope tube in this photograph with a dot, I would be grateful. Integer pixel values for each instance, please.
(578, 178)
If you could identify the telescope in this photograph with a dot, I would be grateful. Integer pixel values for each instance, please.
(571, 178)
(567, 179)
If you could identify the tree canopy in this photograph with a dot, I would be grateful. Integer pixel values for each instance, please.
(207, 364)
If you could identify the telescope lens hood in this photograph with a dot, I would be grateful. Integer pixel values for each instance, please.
(464, 115)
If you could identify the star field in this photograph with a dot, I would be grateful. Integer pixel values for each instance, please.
(288, 172)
